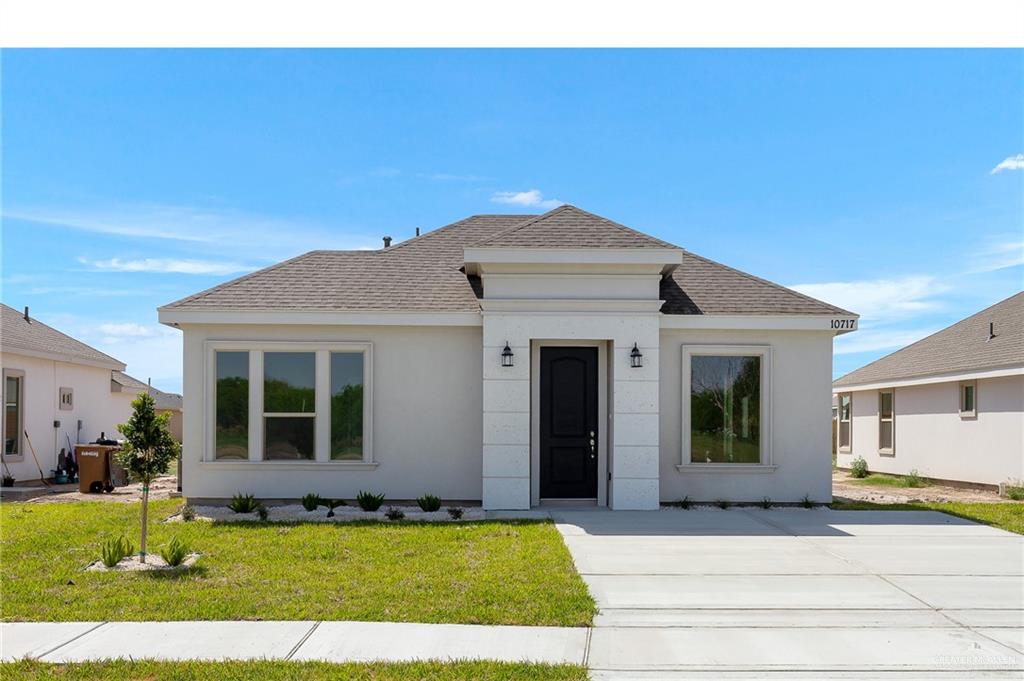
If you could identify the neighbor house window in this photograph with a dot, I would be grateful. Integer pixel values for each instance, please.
(725, 405)
(845, 422)
(67, 399)
(14, 417)
(232, 405)
(289, 405)
(346, 406)
(968, 399)
(886, 422)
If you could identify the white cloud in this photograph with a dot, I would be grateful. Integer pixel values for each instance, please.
(169, 265)
(532, 198)
(880, 298)
(450, 177)
(127, 330)
(998, 254)
(1009, 163)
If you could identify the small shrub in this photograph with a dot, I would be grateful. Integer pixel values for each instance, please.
(174, 552)
(681, 503)
(806, 502)
(262, 511)
(1014, 492)
(243, 503)
(368, 501)
(913, 479)
(332, 504)
(429, 503)
(722, 504)
(766, 503)
(113, 550)
(394, 513)
(311, 502)
(859, 468)
(188, 513)
(455, 512)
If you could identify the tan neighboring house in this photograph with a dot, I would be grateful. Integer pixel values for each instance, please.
(58, 390)
(950, 406)
(128, 388)
(514, 360)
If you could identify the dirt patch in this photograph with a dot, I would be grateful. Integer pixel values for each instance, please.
(163, 487)
(844, 489)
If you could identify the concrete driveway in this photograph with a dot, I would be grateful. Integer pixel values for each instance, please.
(751, 593)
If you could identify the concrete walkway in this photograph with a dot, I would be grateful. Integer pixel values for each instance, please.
(331, 641)
(745, 593)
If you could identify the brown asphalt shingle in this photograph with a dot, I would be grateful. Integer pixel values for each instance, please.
(16, 333)
(424, 274)
(964, 346)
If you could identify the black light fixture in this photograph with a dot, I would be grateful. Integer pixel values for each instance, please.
(636, 358)
(506, 356)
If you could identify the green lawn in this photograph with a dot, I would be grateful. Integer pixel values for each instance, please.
(475, 572)
(290, 671)
(886, 480)
(1007, 516)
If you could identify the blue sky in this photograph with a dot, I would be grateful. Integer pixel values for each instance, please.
(868, 178)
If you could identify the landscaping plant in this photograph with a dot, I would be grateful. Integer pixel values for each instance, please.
(683, 503)
(429, 503)
(243, 503)
(722, 504)
(766, 503)
(113, 550)
(174, 552)
(455, 512)
(394, 513)
(148, 450)
(311, 502)
(1014, 492)
(188, 513)
(333, 504)
(262, 511)
(859, 468)
(369, 501)
(913, 479)
(806, 502)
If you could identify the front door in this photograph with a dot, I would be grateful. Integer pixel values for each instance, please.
(568, 423)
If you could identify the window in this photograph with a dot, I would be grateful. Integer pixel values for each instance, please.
(886, 422)
(67, 399)
(845, 422)
(968, 399)
(725, 410)
(232, 405)
(346, 406)
(289, 405)
(14, 399)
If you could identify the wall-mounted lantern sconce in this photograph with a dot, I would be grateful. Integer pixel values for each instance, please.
(506, 356)
(636, 358)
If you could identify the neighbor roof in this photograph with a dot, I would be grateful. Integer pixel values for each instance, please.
(425, 274)
(163, 400)
(35, 338)
(962, 347)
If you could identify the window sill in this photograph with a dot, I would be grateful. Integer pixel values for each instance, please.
(291, 465)
(886, 452)
(14, 458)
(726, 468)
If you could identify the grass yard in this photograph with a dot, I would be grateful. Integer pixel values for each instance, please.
(476, 572)
(886, 480)
(289, 671)
(1007, 516)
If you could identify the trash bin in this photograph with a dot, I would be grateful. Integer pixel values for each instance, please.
(94, 468)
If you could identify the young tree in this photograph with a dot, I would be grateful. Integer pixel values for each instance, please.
(148, 450)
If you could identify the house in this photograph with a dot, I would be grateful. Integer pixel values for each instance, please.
(57, 389)
(950, 406)
(128, 388)
(510, 359)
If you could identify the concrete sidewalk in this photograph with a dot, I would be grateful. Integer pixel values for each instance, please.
(330, 641)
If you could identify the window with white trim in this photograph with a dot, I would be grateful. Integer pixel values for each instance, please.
(968, 399)
(725, 405)
(845, 429)
(289, 406)
(14, 413)
(886, 423)
(231, 406)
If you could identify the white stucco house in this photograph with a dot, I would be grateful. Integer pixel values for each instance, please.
(950, 406)
(59, 390)
(515, 360)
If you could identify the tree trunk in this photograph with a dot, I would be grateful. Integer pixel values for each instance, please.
(145, 509)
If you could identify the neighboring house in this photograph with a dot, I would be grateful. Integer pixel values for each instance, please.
(58, 390)
(513, 359)
(127, 388)
(950, 406)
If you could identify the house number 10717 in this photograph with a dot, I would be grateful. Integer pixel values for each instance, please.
(844, 324)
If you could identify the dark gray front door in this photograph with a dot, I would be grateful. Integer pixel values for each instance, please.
(568, 423)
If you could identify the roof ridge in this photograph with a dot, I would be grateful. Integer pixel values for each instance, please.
(434, 232)
(773, 284)
(906, 348)
(567, 207)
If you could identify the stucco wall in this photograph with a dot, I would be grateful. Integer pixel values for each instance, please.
(426, 417)
(933, 439)
(801, 392)
(98, 409)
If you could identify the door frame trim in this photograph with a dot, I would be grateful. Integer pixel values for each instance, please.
(602, 414)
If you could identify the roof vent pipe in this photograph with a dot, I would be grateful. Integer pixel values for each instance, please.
(26, 314)
(991, 328)
(417, 231)
(387, 242)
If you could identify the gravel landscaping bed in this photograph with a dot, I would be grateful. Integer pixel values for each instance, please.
(296, 513)
(153, 562)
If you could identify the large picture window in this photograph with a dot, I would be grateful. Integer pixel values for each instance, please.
(289, 405)
(725, 407)
(232, 406)
(886, 423)
(845, 422)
